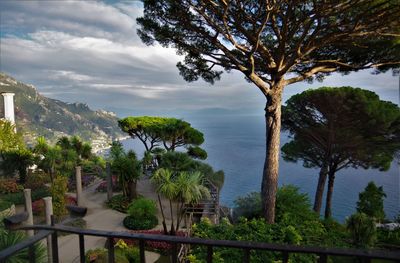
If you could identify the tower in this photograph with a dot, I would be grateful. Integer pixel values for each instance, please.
(9, 106)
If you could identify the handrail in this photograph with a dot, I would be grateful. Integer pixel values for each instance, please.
(246, 245)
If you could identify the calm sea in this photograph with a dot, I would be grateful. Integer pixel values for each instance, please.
(236, 144)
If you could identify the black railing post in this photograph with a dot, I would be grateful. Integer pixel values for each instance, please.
(174, 254)
(209, 254)
(323, 258)
(31, 253)
(141, 251)
(82, 248)
(54, 242)
(285, 257)
(246, 255)
(111, 258)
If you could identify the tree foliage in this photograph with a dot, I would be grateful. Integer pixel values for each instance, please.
(274, 44)
(336, 128)
(128, 168)
(370, 202)
(160, 131)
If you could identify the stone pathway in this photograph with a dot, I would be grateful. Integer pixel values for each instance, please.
(101, 218)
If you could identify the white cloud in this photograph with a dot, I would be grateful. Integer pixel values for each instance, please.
(88, 51)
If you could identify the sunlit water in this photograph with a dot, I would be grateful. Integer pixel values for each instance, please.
(236, 144)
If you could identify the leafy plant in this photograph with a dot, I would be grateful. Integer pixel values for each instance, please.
(141, 215)
(135, 223)
(5, 204)
(36, 180)
(119, 202)
(142, 207)
(8, 186)
(362, 230)
(58, 190)
(11, 238)
(18, 198)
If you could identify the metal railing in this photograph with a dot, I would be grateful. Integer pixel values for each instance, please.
(175, 241)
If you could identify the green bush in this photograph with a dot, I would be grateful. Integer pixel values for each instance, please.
(11, 238)
(248, 206)
(5, 204)
(142, 207)
(362, 230)
(140, 223)
(36, 180)
(123, 254)
(18, 198)
(119, 203)
(389, 237)
(141, 214)
(58, 189)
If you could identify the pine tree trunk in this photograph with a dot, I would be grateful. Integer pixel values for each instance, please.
(320, 188)
(328, 207)
(271, 164)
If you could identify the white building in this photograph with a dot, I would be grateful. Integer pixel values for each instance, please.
(9, 113)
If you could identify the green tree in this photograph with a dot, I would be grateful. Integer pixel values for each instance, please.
(331, 129)
(274, 44)
(370, 202)
(181, 188)
(9, 139)
(17, 160)
(159, 131)
(128, 168)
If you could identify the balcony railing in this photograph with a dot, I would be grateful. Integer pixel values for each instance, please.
(322, 253)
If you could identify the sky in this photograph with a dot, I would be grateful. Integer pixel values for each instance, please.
(88, 51)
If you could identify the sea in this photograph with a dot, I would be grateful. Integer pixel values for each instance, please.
(236, 145)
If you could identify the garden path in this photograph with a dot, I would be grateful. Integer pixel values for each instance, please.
(101, 218)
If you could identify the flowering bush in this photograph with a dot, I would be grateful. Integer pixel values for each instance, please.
(36, 180)
(163, 247)
(8, 186)
(70, 200)
(38, 207)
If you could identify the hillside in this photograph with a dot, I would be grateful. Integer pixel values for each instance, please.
(37, 115)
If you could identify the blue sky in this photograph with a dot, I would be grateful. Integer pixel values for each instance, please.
(88, 51)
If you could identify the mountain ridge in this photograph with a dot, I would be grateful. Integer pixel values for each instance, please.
(37, 115)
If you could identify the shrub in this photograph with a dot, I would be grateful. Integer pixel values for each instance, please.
(38, 207)
(141, 214)
(159, 246)
(123, 254)
(8, 186)
(362, 230)
(5, 205)
(389, 237)
(248, 206)
(142, 208)
(58, 190)
(36, 180)
(11, 238)
(119, 203)
(18, 198)
(134, 223)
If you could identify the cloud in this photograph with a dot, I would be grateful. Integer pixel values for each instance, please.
(88, 51)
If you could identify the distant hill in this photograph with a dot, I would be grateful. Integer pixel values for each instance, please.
(37, 115)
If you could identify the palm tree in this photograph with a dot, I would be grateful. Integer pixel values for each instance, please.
(162, 178)
(183, 188)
